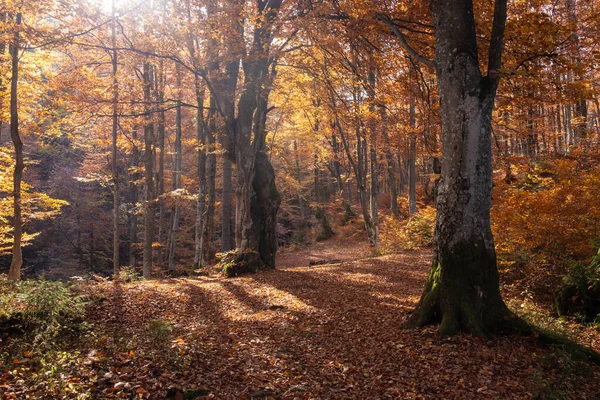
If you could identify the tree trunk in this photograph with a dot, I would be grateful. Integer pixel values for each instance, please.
(14, 273)
(160, 173)
(226, 236)
(255, 222)
(265, 204)
(374, 189)
(412, 170)
(359, 166)
(299, 182)
(211, 170)
(374, 166)
(316, 174)
(201, 203)
(134, 199)
(391, 165)
(176, 179)
(580, 108)
(462, 291)
(115, 122)
(337, 168)
(149, 205)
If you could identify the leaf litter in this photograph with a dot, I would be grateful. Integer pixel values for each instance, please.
(299, 332)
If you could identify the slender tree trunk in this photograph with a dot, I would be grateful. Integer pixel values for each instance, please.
(114, 149)
(391, 165)
(14, 273)
(580, 108)
(149, 201)
(316, 177)
(358, 166)
(412, 170)
(401, 174)
(176, 179)
(133, 189)
(299, 181)
(160, 173)
(374, 189)
(201, 203)
(337, 168)
(462, 290)
(211, 169)
(2, 51)
(374, 166)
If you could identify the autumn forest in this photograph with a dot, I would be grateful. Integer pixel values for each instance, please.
(299, 199)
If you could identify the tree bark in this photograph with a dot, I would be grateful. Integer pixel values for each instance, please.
(391, 165)
(299, 182)
(412, 170)
(14, 273)
(201, 203)
(257, 197)
(115, 122)
(374, 166)
(160, 173)
(133, 189)
(149, 204)
(462, 291)
(176, 179)
(226, 237)
(211, 170)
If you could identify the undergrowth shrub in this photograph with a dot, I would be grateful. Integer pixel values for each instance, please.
(129, 274)
(580, 295)
(40, 307)
(412, 233)
(349, 214)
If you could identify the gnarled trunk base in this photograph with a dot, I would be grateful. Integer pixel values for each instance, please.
(261, 242)
(462, 294)
(236, 263)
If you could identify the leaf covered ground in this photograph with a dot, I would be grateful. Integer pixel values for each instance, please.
(329, 331)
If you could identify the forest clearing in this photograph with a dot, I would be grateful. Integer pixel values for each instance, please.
(300, 199)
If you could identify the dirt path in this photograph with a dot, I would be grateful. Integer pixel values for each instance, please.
(333, 249)
(300, 332)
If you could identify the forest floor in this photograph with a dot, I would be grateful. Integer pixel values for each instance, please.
(330, 331)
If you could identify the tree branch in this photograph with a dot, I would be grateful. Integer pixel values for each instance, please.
(412, 52)
(497, 40)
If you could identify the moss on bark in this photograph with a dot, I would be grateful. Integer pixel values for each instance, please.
(462, 294)
(236, 263)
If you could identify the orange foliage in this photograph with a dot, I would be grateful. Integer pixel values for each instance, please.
(551, 213)
(407, 234)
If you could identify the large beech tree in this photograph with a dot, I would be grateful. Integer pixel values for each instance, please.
(462, 291)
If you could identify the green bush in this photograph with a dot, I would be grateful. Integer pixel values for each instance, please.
(42, 307)
(580, 295)
(129, 274)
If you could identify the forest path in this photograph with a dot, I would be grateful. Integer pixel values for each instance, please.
(312, 332)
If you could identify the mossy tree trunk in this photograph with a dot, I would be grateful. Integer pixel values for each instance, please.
(462, 291)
